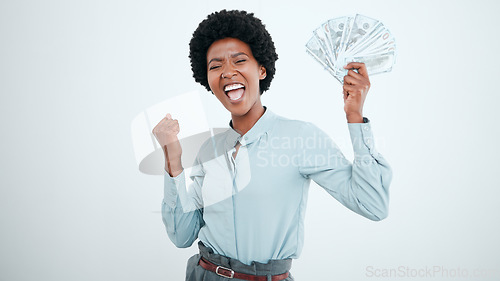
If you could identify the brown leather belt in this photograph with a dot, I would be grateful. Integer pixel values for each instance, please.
(229, 273)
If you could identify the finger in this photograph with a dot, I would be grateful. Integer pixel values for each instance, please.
(351, 89)
(352, 80)
(171, 123)
(174, 124)
(354, 74)
(361, 67)
(169, 117)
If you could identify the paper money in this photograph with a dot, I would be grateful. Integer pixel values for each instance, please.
(339, 41)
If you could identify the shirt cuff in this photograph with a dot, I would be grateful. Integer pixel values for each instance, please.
(362, 140)
(171, 187)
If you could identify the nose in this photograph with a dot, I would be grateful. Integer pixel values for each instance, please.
(228, 72)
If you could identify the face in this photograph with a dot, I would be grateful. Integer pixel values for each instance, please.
(234, 74)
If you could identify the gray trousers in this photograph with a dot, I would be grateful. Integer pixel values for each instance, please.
(195, 272)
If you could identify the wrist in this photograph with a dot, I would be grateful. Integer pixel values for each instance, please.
(171, 140)
(354, 118)
(174, 168)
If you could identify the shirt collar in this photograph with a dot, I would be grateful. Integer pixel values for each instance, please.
(262, 126)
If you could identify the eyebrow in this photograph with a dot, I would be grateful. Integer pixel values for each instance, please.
(232, 56)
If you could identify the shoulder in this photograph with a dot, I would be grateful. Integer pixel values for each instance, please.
(303, 132)
(284, 124)
(287, 122)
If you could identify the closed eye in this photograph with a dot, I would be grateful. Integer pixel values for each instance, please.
(214, 67)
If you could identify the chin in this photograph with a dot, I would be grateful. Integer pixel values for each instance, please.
(237, 110)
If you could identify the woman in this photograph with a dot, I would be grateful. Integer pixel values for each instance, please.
(247, 201)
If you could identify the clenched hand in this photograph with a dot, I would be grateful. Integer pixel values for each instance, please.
(356, 86)
(165, 133)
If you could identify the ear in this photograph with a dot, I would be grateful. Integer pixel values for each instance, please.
(262, 73)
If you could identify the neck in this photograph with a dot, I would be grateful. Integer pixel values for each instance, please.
(242, 124)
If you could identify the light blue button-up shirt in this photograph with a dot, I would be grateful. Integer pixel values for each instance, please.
(251, 207)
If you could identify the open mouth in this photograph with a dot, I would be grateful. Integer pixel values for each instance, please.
(234, 91)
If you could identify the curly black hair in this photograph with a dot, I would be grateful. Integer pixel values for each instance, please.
(234, 24)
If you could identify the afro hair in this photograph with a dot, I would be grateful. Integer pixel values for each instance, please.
(233, 24)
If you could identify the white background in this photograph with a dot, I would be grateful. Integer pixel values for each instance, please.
(73, 75)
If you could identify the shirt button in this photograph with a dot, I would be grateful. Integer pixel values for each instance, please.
(366, 128)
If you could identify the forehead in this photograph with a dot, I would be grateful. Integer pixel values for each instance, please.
(226, 47)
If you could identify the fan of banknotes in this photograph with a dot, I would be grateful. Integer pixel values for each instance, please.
(353, 39)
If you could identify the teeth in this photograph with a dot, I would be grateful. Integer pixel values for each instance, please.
(232, 87)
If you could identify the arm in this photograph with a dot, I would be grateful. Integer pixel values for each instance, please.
(181, 207)
(361, 186)
(364, 185)
(182, 211)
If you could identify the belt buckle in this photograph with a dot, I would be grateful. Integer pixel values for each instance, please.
(226, 269)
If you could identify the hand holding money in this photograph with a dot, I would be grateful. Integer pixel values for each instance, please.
(166, 133)
(353, 39)
(355, 89)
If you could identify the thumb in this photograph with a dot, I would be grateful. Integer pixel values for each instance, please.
(169, 117)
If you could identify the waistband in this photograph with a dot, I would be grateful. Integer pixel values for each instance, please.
(273, 267)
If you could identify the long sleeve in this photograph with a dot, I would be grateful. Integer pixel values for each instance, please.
(362, 186)
(252, 207)
(182, 211)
